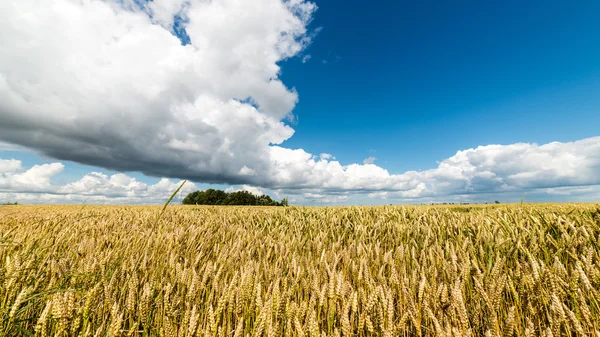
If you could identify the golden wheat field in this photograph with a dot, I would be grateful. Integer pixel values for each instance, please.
(507, 270)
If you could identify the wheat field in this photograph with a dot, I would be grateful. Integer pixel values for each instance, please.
(507, 270)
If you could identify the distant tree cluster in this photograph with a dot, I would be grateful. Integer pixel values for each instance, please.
(218, 197)
(9, 204)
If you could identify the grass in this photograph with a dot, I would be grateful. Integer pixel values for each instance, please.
(495, 270)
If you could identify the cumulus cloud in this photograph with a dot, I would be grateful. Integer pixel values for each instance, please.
(35, 185)
(9, 165)
(108, 83)
(512, 168)
(486, 169)
(35, 179)
(295, 169)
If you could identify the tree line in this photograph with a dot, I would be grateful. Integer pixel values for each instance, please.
(218, 197)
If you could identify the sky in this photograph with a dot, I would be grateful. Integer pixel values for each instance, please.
(323, 102)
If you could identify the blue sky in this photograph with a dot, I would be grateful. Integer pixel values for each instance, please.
(416, 81)
(407, 84)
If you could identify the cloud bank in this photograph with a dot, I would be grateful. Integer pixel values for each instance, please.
(553, 171)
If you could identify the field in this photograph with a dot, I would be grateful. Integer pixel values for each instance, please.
(506, 270)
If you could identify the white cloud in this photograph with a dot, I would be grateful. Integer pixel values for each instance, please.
(37, 178)
(9, 166)
(520, 166)
(34, 185)
(164, 11)
(108, 84)
(299, 169)
(369, 160)
(326, 156)
(485, 169)
(306, 58)
(252, 189)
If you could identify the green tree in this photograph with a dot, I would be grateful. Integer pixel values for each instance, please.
(241, 198)
(191, 198)
(215, 197)
(218, 197)
(265, 200)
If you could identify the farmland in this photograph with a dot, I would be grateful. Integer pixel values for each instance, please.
(502, 270)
